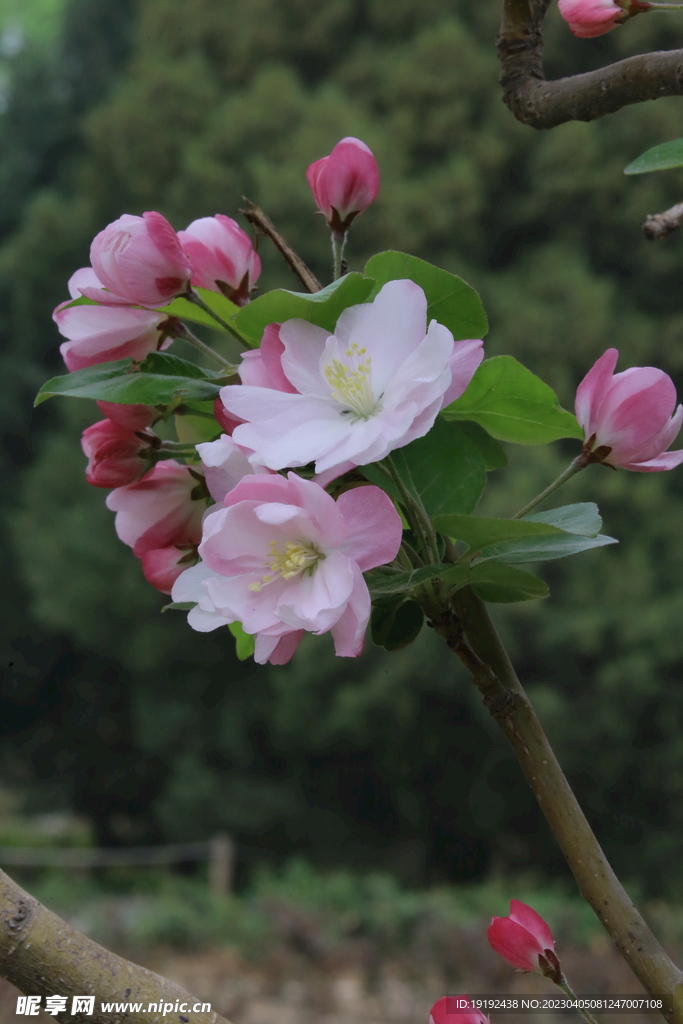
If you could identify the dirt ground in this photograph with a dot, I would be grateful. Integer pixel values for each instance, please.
(356, 985)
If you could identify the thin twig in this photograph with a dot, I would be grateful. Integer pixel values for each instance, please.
(192, 296)
(659, 225)
(542, 104)
(264, 224)
(43, 955)
(183, 333)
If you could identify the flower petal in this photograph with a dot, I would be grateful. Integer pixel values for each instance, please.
(375, 528)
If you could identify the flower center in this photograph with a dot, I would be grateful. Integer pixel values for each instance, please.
(295, 559)
(350, 382)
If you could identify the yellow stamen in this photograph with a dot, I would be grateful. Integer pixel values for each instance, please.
(351, 384)
(295, 559)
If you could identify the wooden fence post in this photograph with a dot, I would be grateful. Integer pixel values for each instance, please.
(221, 864)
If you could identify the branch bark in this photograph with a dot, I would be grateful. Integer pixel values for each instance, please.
(471, 635)
(542, 104)
(43, 955)
(660, 225)
(262, 222)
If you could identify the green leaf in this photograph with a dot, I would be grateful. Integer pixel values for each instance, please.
(393, 581)
(173, 366)
(322, 308)
(502, 584)
(659, 158)
(451, 301)
(581, 522)
(491, 451)
(512, 404)
(160, 380)
(179, 606)
(541, 549)
(583, 518)
(187, 310)
(493, 581)
(245, 642)
(478, 532)
(395, 623)
(196, 423)
(444, 468)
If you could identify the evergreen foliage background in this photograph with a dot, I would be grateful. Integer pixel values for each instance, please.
(157, 733)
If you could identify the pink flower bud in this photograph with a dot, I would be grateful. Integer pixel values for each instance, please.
(628, 418)
(100, 334)
(133, 417)
(164, 508)
(223, 257)
(116, 455)
(140, 261)
(344, 183)
(456, 1010)
(525, 941)
(589, 18)
(163, 566)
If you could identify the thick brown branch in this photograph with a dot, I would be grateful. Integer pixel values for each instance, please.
(659, 225)
(542, 104)
(472, 636)
(43, 955)
(264, 224)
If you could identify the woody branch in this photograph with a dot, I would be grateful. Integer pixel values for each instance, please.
(41, 955)
(471, 635)
(545, 104)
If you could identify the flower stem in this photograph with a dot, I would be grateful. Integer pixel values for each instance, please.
(416, 514)
(182, 331)
(192, 296)
(564, 985)
(180, 448)
(338, 243)
(575, 467)
(666, 7)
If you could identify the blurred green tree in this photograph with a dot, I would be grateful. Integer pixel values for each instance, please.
(395, 764)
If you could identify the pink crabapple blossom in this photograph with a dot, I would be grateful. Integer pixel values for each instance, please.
(116, 455)
(262, 366)
(162, 566)
(140, 261)
(282, 556)
(220, 413)
(376, 384)
(225, 463)
(222, 256)
(163, 508)
(100, 334)
(160, 518)
(344, 183)
(525, 941)
(590, 18)
(456, 1010)
(628, 418)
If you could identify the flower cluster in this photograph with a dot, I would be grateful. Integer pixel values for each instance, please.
(245, 530)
